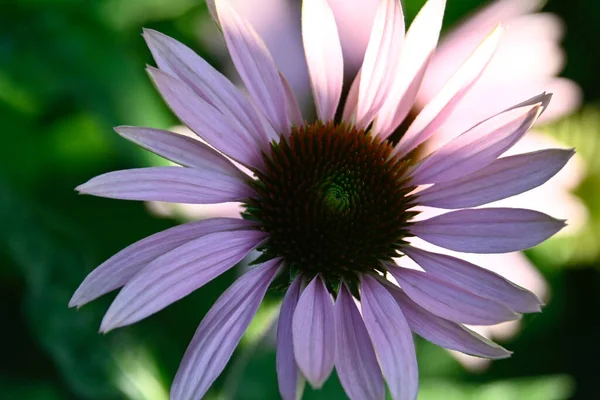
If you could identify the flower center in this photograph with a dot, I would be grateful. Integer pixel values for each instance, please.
(333, 199)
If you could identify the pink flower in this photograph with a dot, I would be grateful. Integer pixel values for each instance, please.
(329, 203)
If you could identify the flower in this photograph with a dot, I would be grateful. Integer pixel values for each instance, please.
(331, 204)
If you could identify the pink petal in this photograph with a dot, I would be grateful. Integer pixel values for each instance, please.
(210, 85)
(220, 332)
(503, 178)
(444, 333)
(477, 147)
(391, 338)
(476, 280)
(419, 47)
(355, 359)
(226, 134)
(120, 268)
(314, 333)
(255, 66)
(323, 56)
(489, 230)
(380, 65)
(177, 273)
(170, 184)
(287, 370)
(450, 301)
(180, 149)
(442, 105)
(293, 109)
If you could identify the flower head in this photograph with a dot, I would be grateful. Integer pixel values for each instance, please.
(329, 203)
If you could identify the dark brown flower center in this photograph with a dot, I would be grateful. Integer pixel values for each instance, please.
(333, 199)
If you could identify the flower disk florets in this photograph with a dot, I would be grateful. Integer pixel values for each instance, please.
(333, 199)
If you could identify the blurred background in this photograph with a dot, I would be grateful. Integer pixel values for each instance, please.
(70, 70)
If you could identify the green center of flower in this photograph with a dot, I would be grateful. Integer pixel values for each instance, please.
(333, 199)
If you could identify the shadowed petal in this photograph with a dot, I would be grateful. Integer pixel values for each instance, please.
(476, 280)
(314, 333)
(489, 230)
(419, 47)
(180, 149)
(441, 106)
(503, 178)
(287, 370)
(224, 133)
(444, 333)
(355, 359)
(206, 82)
(293, 109)
(323, 56)
(120, 268)
(255, 66)
(170, 184)
(220, 332)
(380, 65)
(177, 273)
(477, 147)
(391, 338)
(449, 301)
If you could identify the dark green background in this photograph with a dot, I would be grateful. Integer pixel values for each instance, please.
(70, 70)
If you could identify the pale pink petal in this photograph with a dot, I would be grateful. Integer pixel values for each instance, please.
(177, 273)
(349, 114)
(503, 178)
(391, 338)
(488, 230)
(475, 279)
(170, 184)
(444, 333)
(450, 301)
(313, 331)
(120, 268)
(323, 55)
(288, 374)
(355, 359)
(210, 85)
(293, 109)
(419, 47)
(380, 65)
(212, 9)
(354, 19)
(255, 66)
(220, 332)
(180, 149)
(442, 105)
(220, 131)
(477, 147)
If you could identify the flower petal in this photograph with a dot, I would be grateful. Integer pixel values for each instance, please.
(293, 109)
(477, 147)
(380, 65)
(314, 333)
(441, 106)
(120, 268)
(177, 273)
(489, 230)
(255, 66)
(419, 47)
(355, 359)
(323, 56)
(220, 332)
(391, 338)
(206, 82)
(170, 184)
(226, 134)
(180, 149)
(476, 280)
(503, 178)
(287, 370)
(444, 333)
(449, 301)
